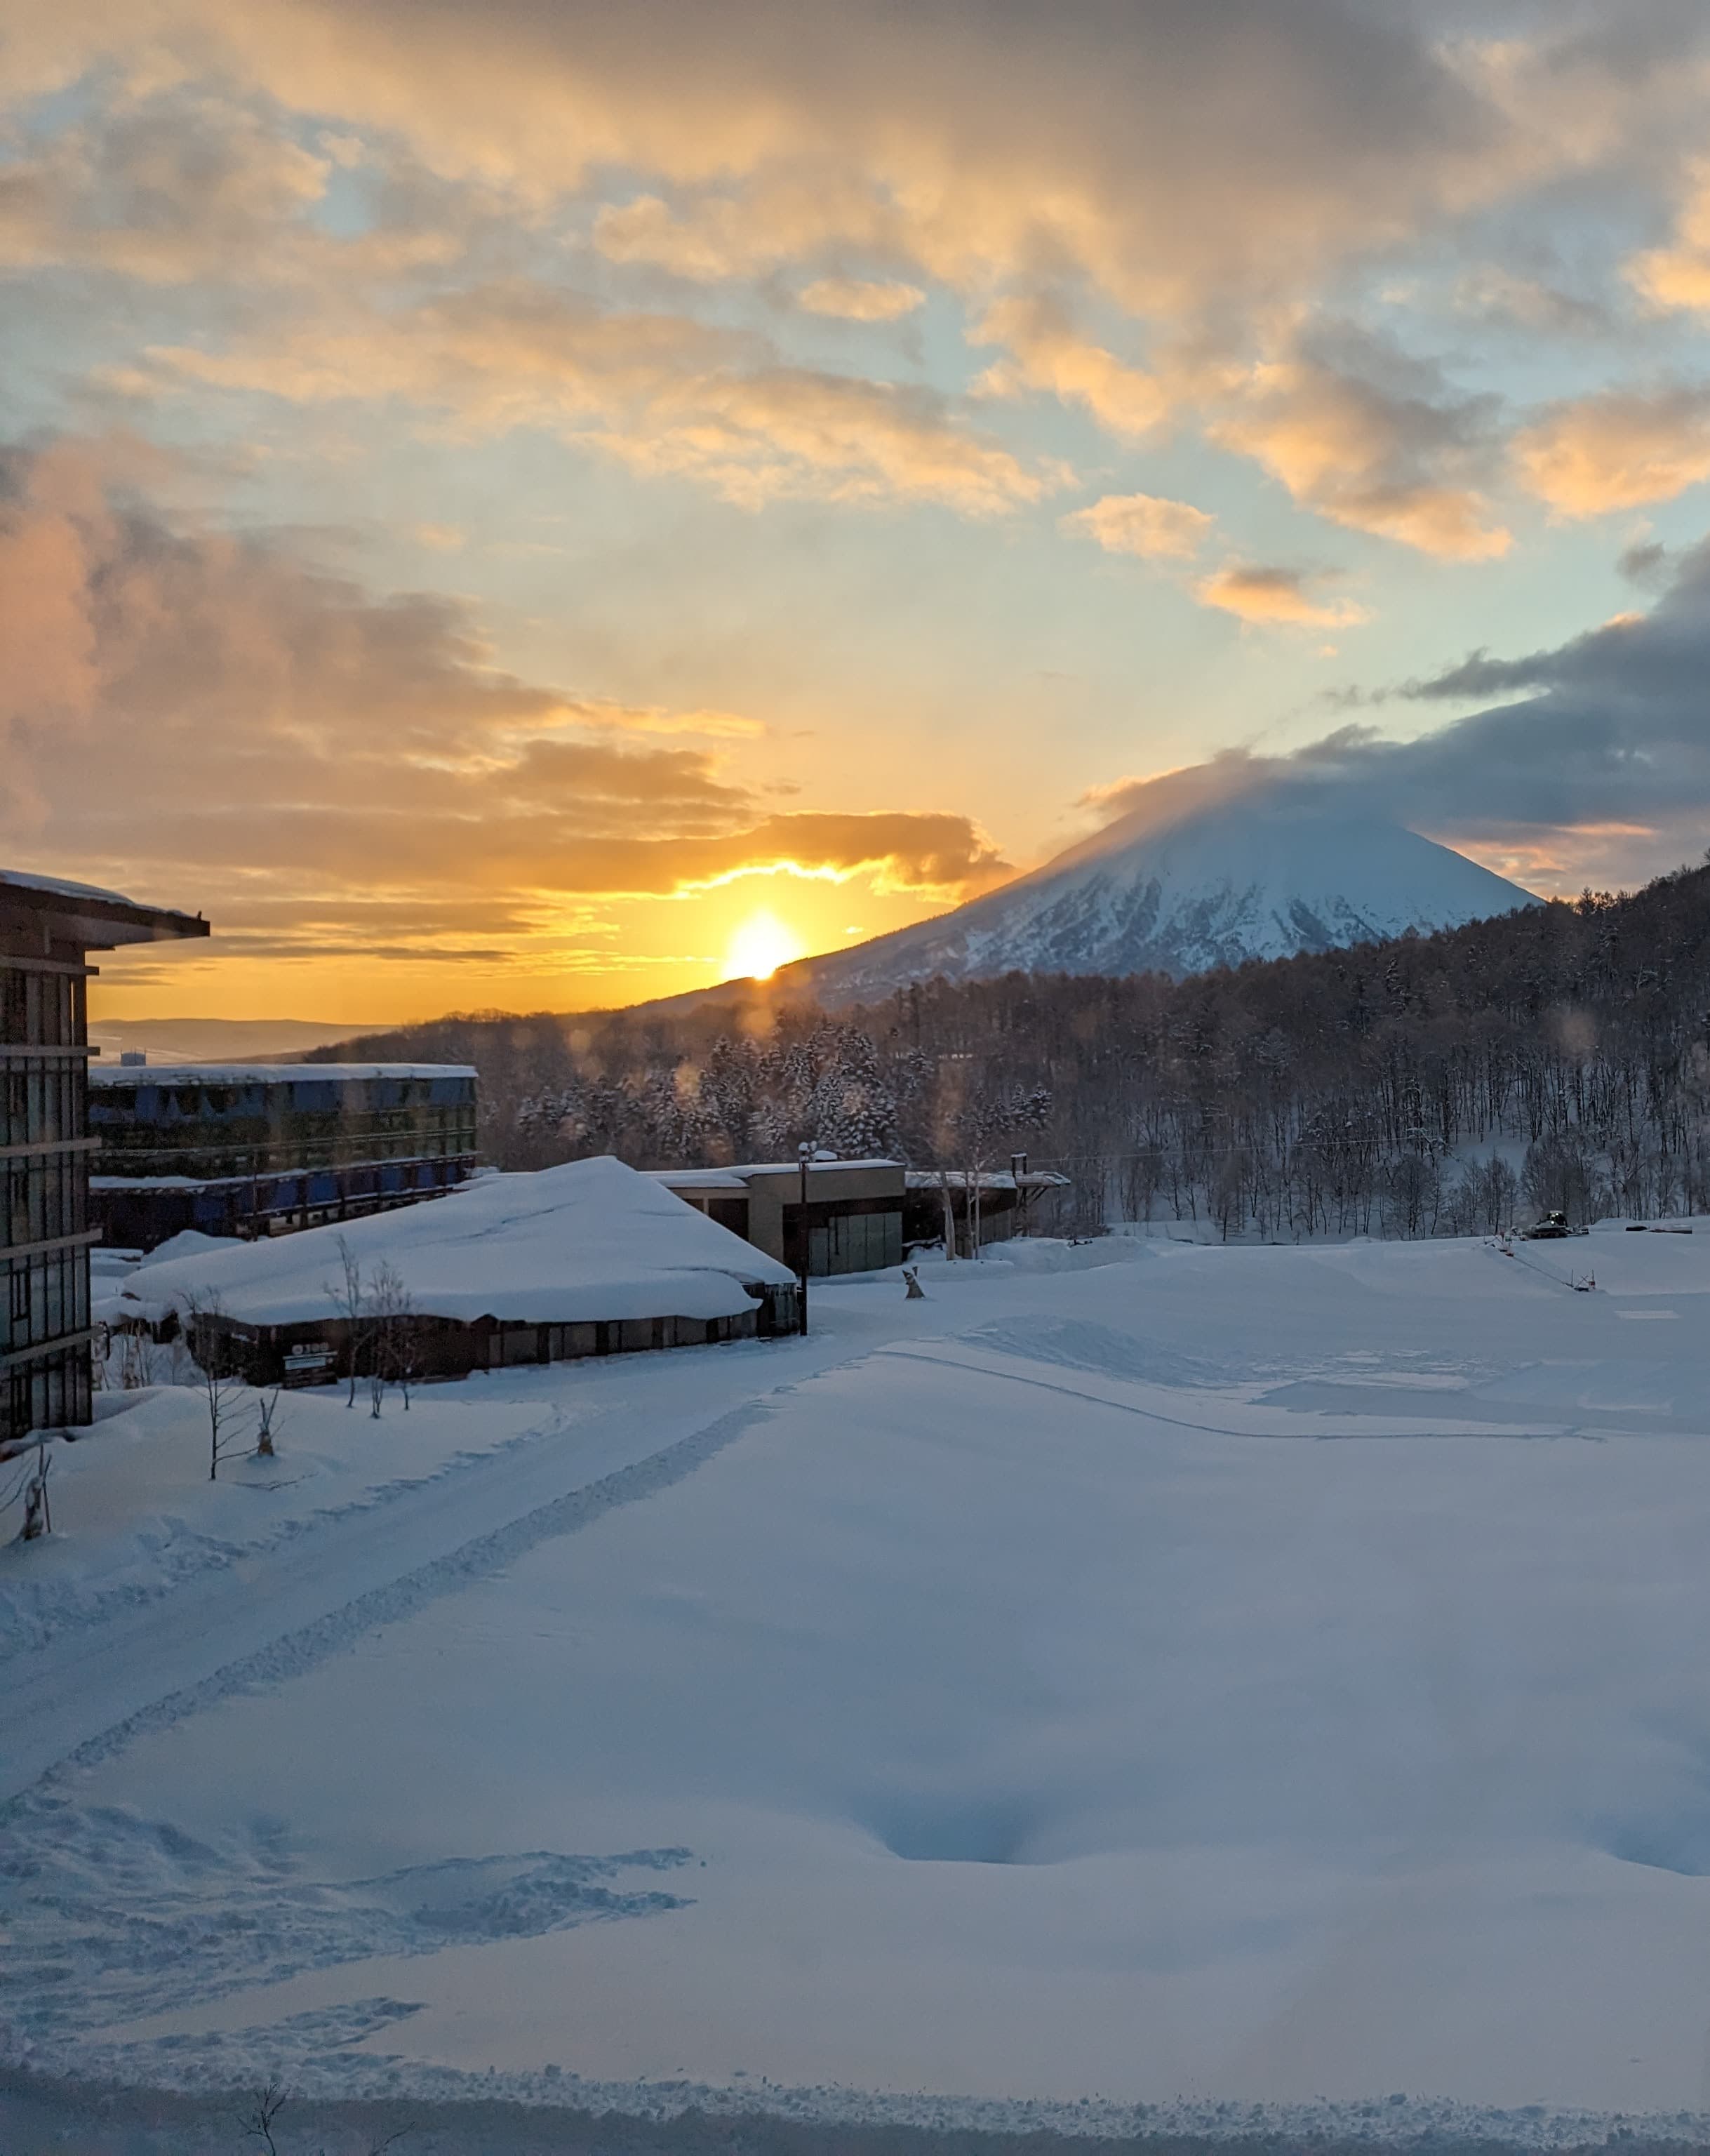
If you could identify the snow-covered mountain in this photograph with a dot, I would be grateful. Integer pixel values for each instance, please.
(1260, 877)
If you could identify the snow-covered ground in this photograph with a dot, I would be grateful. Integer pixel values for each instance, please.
(1138, 1683)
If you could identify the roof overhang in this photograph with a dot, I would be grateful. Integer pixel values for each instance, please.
(93, 920)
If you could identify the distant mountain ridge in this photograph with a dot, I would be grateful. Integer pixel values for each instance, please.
(1255, 878)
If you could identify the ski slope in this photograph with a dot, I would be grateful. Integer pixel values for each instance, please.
(1139, 1681)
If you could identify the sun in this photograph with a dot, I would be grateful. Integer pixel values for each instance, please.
(760, 947)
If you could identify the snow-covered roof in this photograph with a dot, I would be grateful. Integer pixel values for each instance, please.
(737, 1178)
(100, 920)
(117, 1074)
(57, 887)
(998, 1178)
(698, 1178)
(590, 1242)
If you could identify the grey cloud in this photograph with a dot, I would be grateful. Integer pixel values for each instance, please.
(1172, 151)
(1600, 752)
(1648, 564)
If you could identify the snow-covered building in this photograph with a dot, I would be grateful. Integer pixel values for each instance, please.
(977, 1206)
(587, 1259)
(254, 1149)
(48, 929)
(853, 1222)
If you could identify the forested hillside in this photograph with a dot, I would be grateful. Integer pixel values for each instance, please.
(1393, 1088)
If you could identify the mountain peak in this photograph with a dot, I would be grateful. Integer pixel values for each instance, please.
(1263, 876)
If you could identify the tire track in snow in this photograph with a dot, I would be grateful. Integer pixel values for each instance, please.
(294, 1652)
(1407, 1432)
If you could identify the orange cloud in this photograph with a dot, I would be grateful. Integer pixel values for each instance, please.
(406, 777)
(1268, 595)
(1617, 450)
(1371, 441)
(857, 299)
(1678, 275)
(1149, 525)
(1045, 353)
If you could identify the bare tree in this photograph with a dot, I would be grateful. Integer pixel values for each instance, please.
(349, 1296)
(398, 1336)
(259, 2122)
(391, 1326)
(218, 1375)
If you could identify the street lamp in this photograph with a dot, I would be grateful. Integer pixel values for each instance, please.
(802, 1154)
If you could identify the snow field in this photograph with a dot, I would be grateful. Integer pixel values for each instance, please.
(1250, 1675)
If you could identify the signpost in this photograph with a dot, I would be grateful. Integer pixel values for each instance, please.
(802, 1154)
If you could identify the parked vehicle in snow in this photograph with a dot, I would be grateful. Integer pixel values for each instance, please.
(1550, 1229)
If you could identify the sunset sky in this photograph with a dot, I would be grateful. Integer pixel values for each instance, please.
(541, 504)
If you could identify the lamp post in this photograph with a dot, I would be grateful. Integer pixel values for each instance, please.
(801, 1158)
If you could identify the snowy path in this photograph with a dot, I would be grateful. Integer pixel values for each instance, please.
(278, 1611)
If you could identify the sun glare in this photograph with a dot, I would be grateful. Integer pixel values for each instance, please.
(760, 947)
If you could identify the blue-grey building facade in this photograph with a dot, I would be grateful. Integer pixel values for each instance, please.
(259, 1149)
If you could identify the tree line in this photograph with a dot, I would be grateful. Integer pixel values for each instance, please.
(1445, 1084)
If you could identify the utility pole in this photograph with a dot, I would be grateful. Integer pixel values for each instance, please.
(801, 1158)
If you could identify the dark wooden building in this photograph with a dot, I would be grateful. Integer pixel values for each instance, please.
(47, 931)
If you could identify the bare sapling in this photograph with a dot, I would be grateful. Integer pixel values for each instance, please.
(385, 1292)
(218, 1378)
(349, 1296)
(398, 1347)
(259, 2121)
(31, 1491)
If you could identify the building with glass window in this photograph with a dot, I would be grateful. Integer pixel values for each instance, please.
(259, 1149)
(47, 931)
(853, 1222)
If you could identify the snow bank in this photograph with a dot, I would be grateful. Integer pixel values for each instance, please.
(589, 1242)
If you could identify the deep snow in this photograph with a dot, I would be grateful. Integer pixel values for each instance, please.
(1197, 1679)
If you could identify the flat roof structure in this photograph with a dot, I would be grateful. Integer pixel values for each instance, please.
(853, 1222)
(141, 1075)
